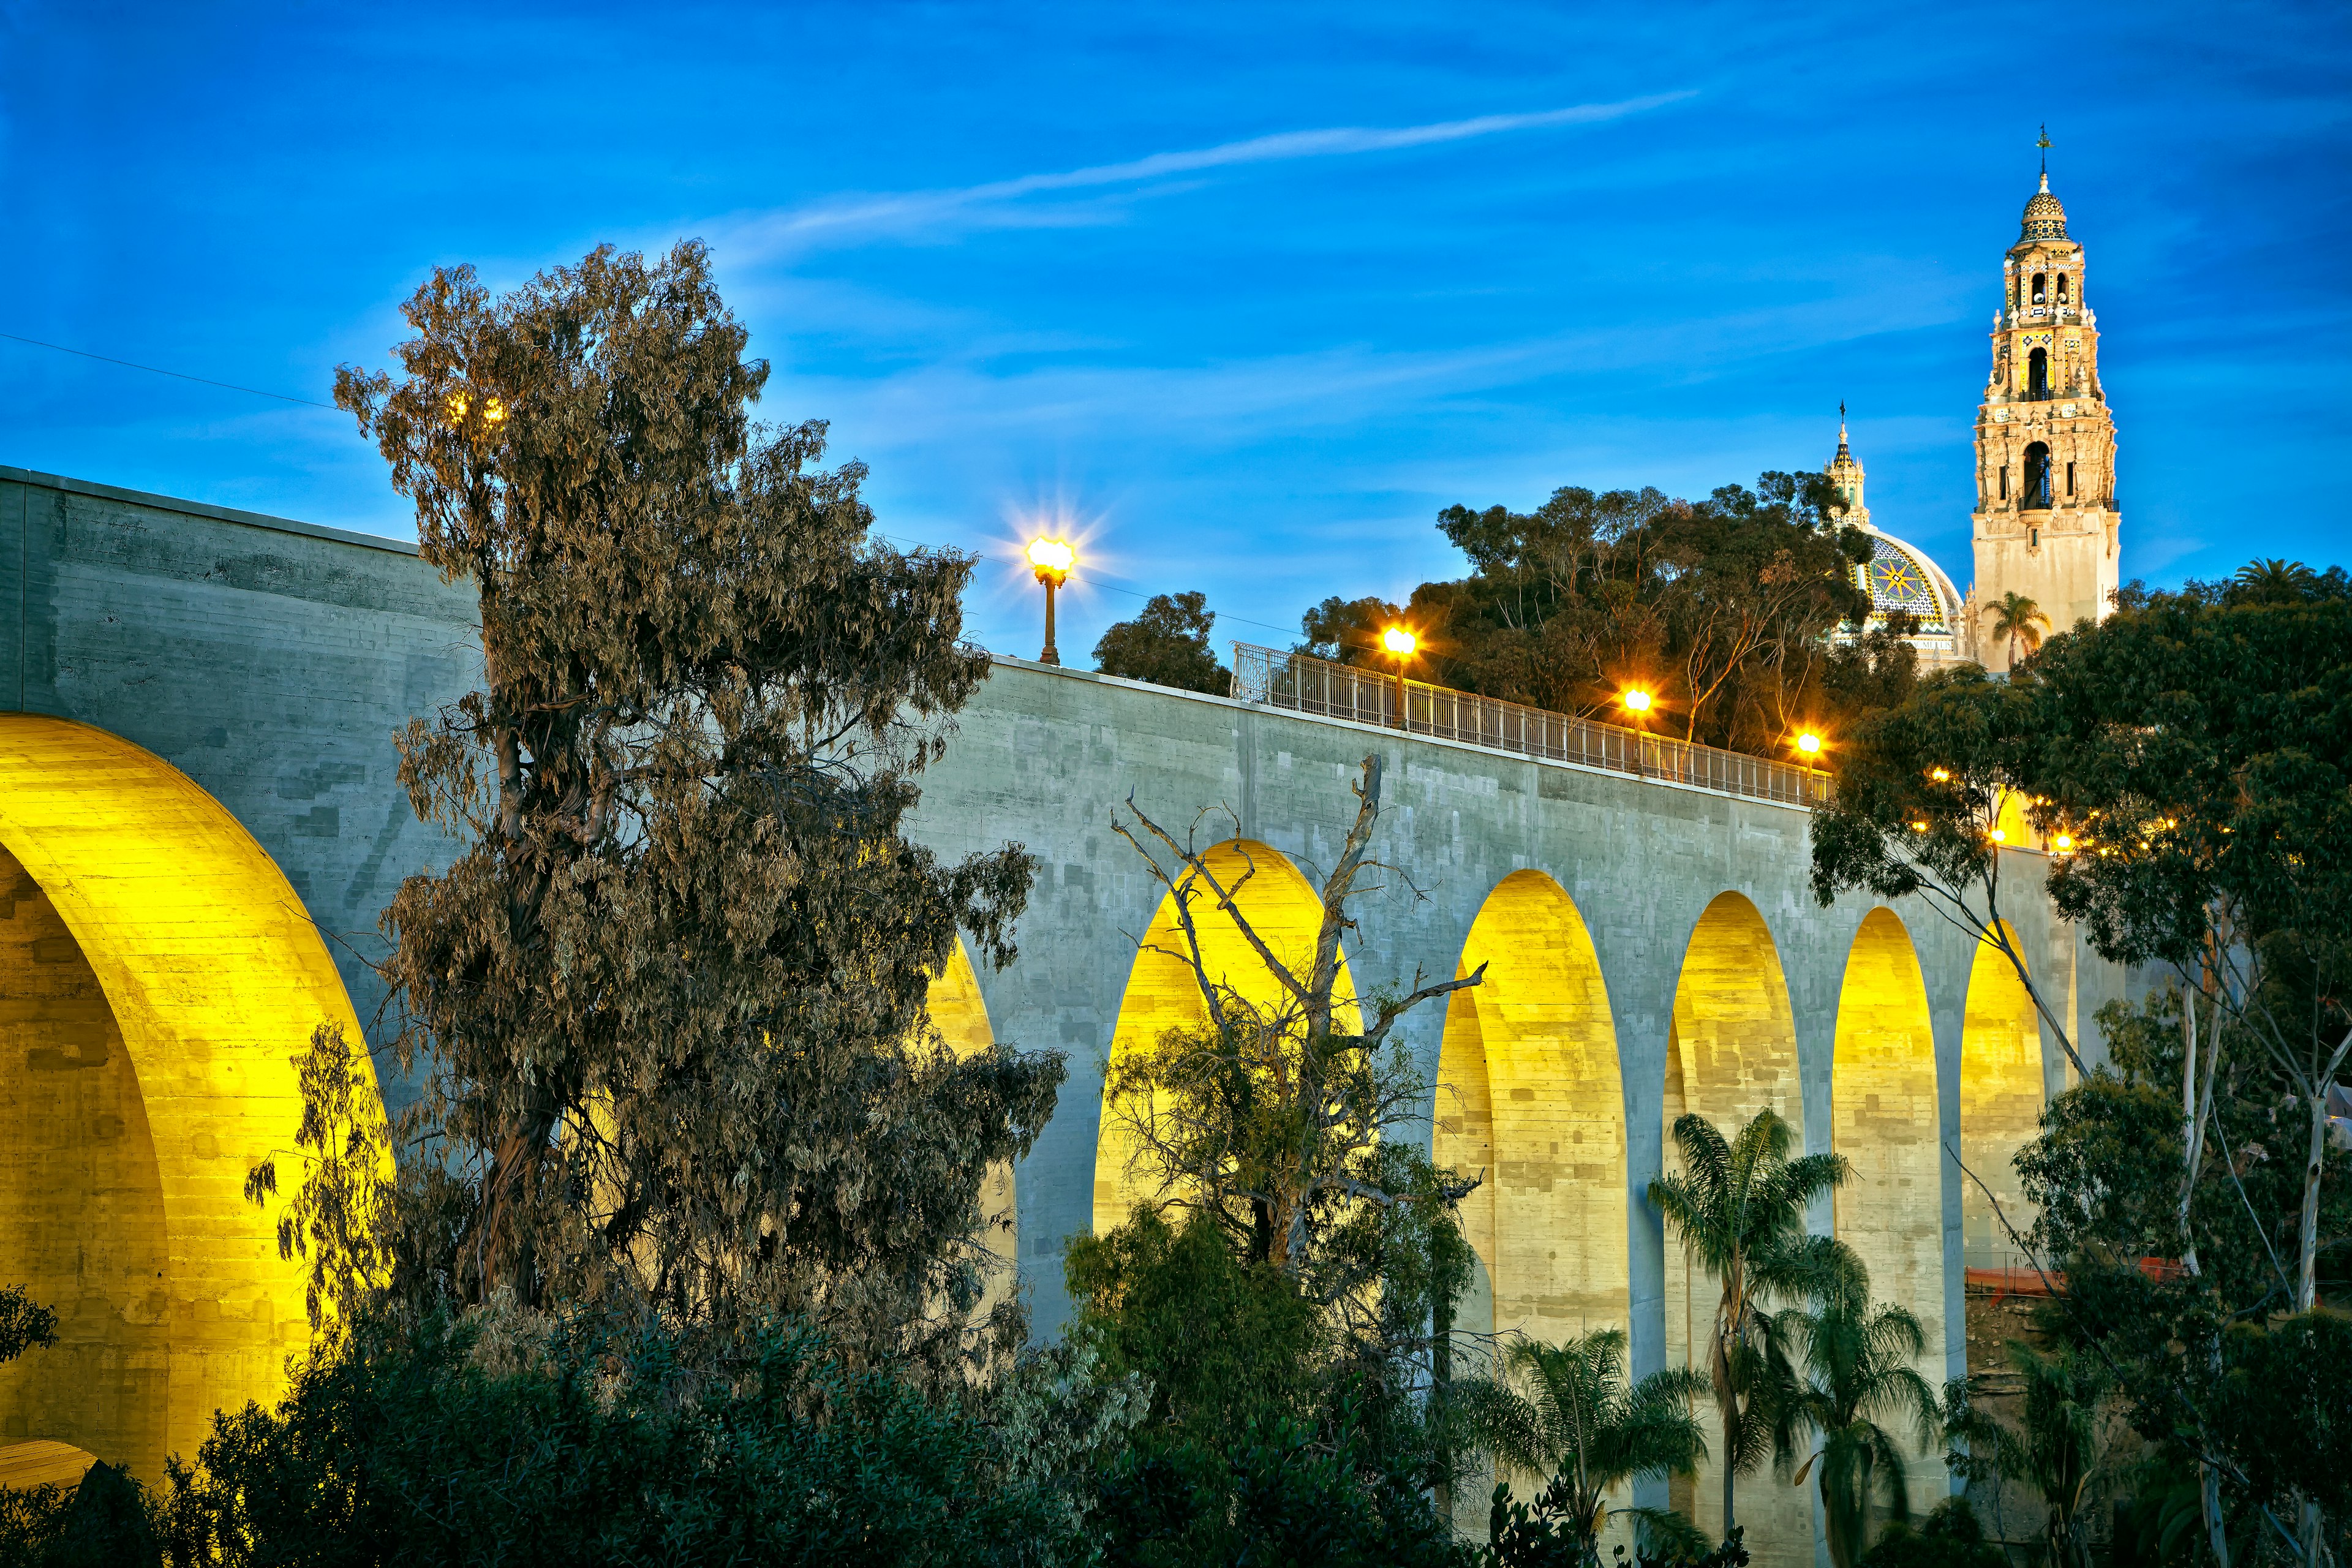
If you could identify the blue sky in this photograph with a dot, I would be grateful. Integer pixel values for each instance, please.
(1248, 292)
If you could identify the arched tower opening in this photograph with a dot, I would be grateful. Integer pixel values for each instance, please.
(2041, 286)
(2037, 374)
(1528, 1091)
(159, 978)
(1163, 992)
(2037, 476)
(1731, 1052)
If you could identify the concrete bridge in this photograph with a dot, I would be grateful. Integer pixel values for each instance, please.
(199, 825)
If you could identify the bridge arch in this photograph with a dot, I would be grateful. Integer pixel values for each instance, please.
(158, 978)
(1885, 1119)
(1529, 1091)
(1731, 1052)
(959, 1013)
(2001, 1093)
(1163, 994)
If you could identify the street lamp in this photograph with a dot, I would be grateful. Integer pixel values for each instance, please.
(1399, 643)
(1635, 700)
(1810, 745)
(1052, 560)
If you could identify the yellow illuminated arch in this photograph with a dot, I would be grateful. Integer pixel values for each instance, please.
(1528, 1091)
(2001, 1104)
(1163, 993)
(961, 1015)
(1731, 1052)
(1886, 1121)
(210, 975)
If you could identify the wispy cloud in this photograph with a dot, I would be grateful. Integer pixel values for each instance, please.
(999, 204)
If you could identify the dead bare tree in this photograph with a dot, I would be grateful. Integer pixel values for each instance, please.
(1277, 1113)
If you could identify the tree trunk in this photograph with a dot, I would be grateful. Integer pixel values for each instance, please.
(2217, 1534)
(1730, 1424)
(1837, 1525)
(2307, 1234)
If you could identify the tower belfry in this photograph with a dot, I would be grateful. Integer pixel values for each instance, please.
(2046, 523)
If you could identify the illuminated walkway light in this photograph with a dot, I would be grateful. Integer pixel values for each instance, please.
(1051, 560)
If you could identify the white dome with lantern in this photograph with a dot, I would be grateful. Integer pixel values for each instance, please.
(1898, 576)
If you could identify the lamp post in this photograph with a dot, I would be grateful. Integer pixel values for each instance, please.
(1399, 643)
(1051, 559)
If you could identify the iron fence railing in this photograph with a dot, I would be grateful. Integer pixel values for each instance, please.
(1306, 685)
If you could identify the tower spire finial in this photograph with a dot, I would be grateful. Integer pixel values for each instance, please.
(2045, 144)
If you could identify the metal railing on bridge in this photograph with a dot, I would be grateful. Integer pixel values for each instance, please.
(1306, 685)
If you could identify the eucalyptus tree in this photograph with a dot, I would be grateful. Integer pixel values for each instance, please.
(1739, 1207)
(1926, 793)
(1857, 1373)
(2201, 752)
(1567, 1414)
(2198, 746)
(671, 987)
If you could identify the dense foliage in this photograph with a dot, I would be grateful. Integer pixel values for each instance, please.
(25, 1323)
(2190, 760)
(1721, 607)
(1568, 1415)
(671, 988)
(1168, 644)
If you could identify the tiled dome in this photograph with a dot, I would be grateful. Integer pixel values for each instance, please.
(1898, 577)
(2045, 217)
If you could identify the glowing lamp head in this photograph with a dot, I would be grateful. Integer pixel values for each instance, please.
(1941, 775)
(1999, 835)
(1051, 559)
(1636, 700)
(1809, 743)
(1918, 827)
(2062, 842)
(1400, 641)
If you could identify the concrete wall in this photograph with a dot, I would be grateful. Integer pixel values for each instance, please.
(272, 662)
(268, 660)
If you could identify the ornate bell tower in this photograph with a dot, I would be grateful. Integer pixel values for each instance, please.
(2046, 525)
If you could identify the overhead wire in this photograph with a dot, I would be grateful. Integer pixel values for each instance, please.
(177, 374)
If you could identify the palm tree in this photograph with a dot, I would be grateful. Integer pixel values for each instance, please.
(2056, 1449)
(2020, 620)
(1740, 1208)
(2274, 582)
(1857, 1373)
(1577, 1421)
